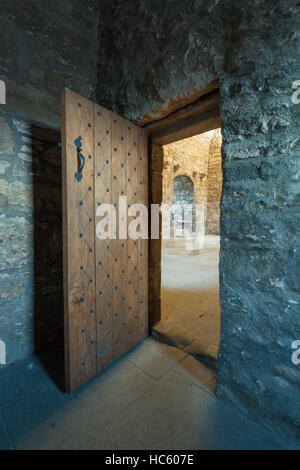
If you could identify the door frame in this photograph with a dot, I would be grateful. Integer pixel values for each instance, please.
(195, 117)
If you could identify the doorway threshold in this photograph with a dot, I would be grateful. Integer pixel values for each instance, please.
(166, 332)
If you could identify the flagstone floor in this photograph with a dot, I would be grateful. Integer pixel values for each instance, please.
(153, 398)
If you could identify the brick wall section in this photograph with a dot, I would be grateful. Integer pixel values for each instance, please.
(214, 185)
(199, 158)
(44, 46)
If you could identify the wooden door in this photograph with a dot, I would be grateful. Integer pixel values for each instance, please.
(105, 280)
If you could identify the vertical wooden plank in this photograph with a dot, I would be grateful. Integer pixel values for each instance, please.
(64, 118)
(78, 241)
(103, 248)
(132, 288)
(154, 256)
(120, 339)
(143, 243)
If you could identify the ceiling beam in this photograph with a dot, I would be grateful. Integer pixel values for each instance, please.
(200, 116)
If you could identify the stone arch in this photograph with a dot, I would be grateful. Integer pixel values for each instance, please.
(183, 196)
(183, 189)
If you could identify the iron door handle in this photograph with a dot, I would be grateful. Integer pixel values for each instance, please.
(80, 158)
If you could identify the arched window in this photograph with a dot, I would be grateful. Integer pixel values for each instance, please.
(183, 190)
(183, 205)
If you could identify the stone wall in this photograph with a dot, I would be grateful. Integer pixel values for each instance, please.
(44, 46)
(260, 259)
(152, 52)
(199, 158)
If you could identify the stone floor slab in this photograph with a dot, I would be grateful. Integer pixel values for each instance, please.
(156, 358)
(177, 414)
(20, 379)
(197, 373)
(49, 419)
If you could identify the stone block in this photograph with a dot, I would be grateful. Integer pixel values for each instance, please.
(36, 76)
(4, 165)
(6, 138)
(16, 242)
(32, 103)
(79, 84)
(8, 56)
(19, 195)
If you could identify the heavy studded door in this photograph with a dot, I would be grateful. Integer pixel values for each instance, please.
(105, 279)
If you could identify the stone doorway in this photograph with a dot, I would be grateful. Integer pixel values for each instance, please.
(190, 309)
(182, 124)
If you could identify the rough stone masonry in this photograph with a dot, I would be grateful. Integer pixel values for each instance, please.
(44, 46)
(153, 52)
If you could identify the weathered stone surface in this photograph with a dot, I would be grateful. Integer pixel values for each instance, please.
(52, 29)
(163, 50)
(44, 46)
(25, 157)
(259, 222)
(31, 102)
(22, 126)
(19, 195)
(8, 56)
(3, 200)
(6, 138)
(36, 76)
(16, 284)
(16, 242)
(4, 165)
(80, 84)
(19, 170)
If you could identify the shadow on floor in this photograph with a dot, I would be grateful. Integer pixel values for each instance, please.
(48, 290)
(150, 399)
